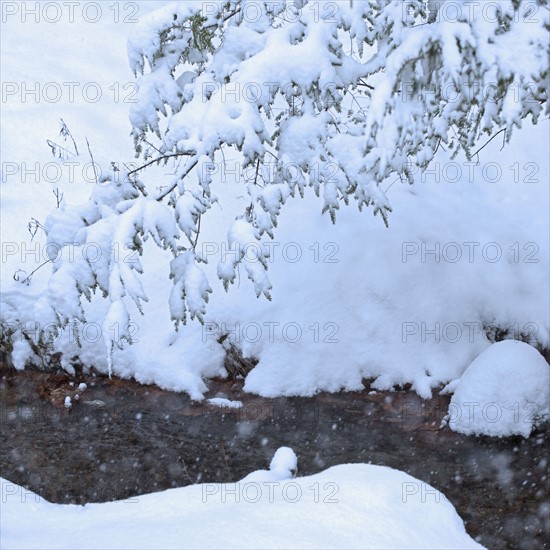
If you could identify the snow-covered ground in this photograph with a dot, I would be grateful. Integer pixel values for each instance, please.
(467, 246)
(348, 506)
(465, 258)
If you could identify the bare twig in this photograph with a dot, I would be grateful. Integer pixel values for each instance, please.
(257, 171)
(66, 132)
(174, 185)
(387, 188)
(93, 163)
(194, 244)
(439, 146)
(186, 472)
(58, 196)
(151, 145)
(270, 153)
(226, 18)
(363, 83)
(158, 159)
(28, 278)
(33, 226)
(58, 150)
(198, 232)
(488, 141)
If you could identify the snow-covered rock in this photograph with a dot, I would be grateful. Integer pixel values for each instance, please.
(224, 403)
(505, 391)
(284, 465)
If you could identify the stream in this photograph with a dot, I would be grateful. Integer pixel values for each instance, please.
(121, 439)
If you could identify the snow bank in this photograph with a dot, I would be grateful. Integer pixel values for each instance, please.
(467, 248)
(349, 506)
(505, 391)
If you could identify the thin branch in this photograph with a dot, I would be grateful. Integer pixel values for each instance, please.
(198, 232)
(174, 185)
(27, 279)
(194, 244)
(187, 473)
(223, 156)
(158, 159)
(151, 145)
(358, 104)
(438, 146)
(335, 121)
(363, 83)
(398, 178)
(33, 226)
(58, 149)
(93, 163)
(226, 18)
(66, 132)
(58, 196)
(488, 141)
(269, 152)
(257, 171)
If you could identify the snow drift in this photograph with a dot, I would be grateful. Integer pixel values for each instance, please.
(504, 392)
(348, 506)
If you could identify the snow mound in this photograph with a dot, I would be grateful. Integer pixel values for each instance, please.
(284, 465)
(504, 392)
(348, 506)
(284, 459)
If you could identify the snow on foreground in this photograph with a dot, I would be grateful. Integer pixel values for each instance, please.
(504, 392)
(347, 506)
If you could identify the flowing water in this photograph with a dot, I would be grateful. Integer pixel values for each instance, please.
(121, 439)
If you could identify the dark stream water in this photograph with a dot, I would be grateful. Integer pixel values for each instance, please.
(134, 439)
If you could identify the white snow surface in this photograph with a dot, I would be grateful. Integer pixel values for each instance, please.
(284, 465)
(504, 392)
(347, 506)
(222, 402)
(349, 302)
